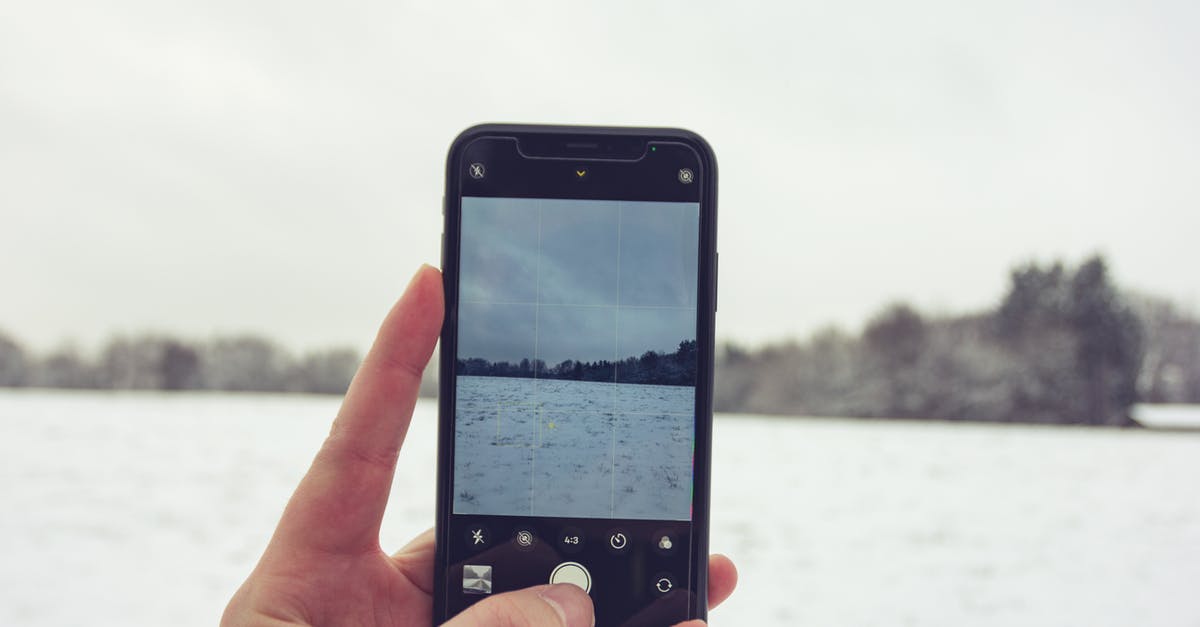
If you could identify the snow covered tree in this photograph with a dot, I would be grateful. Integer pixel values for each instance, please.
(14, 366)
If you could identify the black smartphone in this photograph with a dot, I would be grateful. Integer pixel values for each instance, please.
(576, 368)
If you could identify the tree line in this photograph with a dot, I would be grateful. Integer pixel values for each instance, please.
(154, 362)
(655, 368)
(1063, 345)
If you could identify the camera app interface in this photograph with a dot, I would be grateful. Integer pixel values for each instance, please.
(576, 359)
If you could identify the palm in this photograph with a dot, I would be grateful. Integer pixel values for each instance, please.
(369, 588)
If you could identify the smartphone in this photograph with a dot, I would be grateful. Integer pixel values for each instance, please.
(576, 368)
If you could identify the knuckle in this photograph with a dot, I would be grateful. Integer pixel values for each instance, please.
(400, 368)
(377, 456)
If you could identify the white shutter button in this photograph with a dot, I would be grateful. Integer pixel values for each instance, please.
(574, 573)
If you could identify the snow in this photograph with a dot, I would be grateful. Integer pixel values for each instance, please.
(573, 449)
(1168, 416)
(146, 509)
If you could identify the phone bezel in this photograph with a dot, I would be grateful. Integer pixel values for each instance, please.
(706, 301)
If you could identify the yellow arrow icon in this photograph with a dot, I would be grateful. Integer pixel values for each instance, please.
(580, 173)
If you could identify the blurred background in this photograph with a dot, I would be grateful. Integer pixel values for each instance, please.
(959, 326)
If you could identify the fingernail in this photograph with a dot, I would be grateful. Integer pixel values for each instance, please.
(571, 603)
(416, 274)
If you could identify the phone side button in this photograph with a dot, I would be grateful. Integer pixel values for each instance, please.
(716, 280)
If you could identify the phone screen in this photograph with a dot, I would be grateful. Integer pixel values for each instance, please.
(575, 388)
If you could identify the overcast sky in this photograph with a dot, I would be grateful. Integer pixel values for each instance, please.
(211, 167)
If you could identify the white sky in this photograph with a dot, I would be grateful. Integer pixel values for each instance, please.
(277, 167)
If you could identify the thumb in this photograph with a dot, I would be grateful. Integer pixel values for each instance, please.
(560, 605)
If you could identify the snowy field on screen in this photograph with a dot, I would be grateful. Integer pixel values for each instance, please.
(579, 449)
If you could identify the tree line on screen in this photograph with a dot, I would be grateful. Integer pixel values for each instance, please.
(657, 368)
(1063, 345)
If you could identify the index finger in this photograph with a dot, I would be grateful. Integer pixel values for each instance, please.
(340, 502)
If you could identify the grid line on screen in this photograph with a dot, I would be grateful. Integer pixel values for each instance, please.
(537, 285)
(612, 469)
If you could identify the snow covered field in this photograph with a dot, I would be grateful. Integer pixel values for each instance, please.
(579, 449)
(143, 509)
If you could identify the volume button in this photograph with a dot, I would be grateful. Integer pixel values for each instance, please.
(443, 253)
(716, 280)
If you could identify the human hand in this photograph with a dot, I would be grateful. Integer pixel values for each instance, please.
(324, 565)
